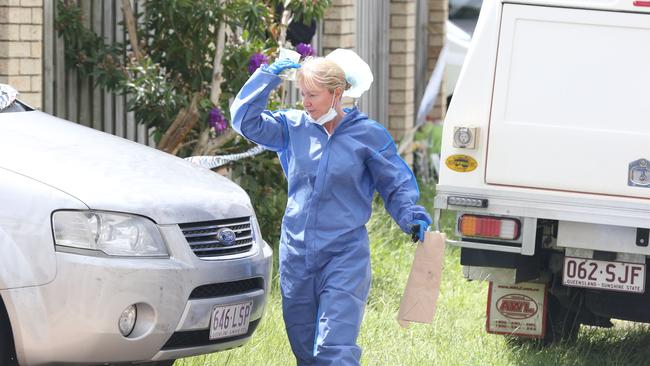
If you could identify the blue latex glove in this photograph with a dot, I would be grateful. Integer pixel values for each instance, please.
(418, 228)
(280, 65)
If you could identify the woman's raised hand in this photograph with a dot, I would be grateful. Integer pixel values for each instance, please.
(278, 66)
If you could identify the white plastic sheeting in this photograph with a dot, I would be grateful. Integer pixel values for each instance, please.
(7, 96)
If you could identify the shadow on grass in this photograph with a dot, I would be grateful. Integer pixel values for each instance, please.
(626, 345)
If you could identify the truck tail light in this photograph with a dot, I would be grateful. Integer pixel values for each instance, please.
(489, 227)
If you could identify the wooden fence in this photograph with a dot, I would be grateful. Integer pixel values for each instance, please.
(67, 95)
(373, 46)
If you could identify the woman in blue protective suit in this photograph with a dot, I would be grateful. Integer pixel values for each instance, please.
(334, 160)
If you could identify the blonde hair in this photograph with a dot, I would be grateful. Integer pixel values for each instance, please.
(319, 72)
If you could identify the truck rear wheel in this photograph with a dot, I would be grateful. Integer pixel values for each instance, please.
(4, 349)
(562, 323)
(7, 352)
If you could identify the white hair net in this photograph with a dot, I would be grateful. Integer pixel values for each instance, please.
(357, 71)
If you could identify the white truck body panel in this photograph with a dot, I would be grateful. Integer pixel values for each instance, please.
(570, 97)
(599, 237)
(561, 161)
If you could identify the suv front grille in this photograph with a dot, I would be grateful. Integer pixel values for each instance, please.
(203, 239)
(227, 288)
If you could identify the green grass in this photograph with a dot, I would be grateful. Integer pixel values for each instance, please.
(457, 335)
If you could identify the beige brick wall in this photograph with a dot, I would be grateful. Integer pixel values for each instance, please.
(339, 26)
(438, 13)
(340, 30)
(401, 106)
(21, 45)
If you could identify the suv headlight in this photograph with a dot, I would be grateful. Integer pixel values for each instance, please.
(255, 229)
(112, 233)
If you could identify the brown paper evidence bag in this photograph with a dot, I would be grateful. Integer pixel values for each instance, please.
(423, 285)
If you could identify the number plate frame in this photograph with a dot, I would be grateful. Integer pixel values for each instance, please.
(230, 320)
(604, 275)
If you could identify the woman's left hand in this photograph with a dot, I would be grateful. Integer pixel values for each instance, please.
(418, 228)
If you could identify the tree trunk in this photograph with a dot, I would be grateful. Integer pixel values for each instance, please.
(205, 145)
(284, 24)
(184, 122)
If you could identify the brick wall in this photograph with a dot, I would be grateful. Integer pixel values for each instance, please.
(339, 26)
(21, 45)
(340, 30)
(401, 106)
(438, 13)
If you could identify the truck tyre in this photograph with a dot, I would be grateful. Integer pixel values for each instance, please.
(4, 353)
(7, 352)
(562, 324)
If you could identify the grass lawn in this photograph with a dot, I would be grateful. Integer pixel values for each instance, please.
(457, 335)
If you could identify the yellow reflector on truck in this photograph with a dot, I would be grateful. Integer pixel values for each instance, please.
(489, 227)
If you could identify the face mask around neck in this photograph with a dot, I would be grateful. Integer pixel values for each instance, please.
(330, 115)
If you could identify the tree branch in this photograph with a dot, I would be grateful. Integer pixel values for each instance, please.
(129, 19)
(207, 146)
(284, 24)
(217, 67)
(185, 120)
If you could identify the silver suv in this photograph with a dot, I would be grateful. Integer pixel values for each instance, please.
(111, 251)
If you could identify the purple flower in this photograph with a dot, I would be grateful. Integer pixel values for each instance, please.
(256, 60)
(305, 50)
(217, 120)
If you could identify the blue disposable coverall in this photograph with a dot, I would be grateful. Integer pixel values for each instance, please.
(324, 253)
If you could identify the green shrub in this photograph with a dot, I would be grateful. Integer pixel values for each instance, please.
(175, 65)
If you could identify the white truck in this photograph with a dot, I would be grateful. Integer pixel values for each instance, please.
(546, 164)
